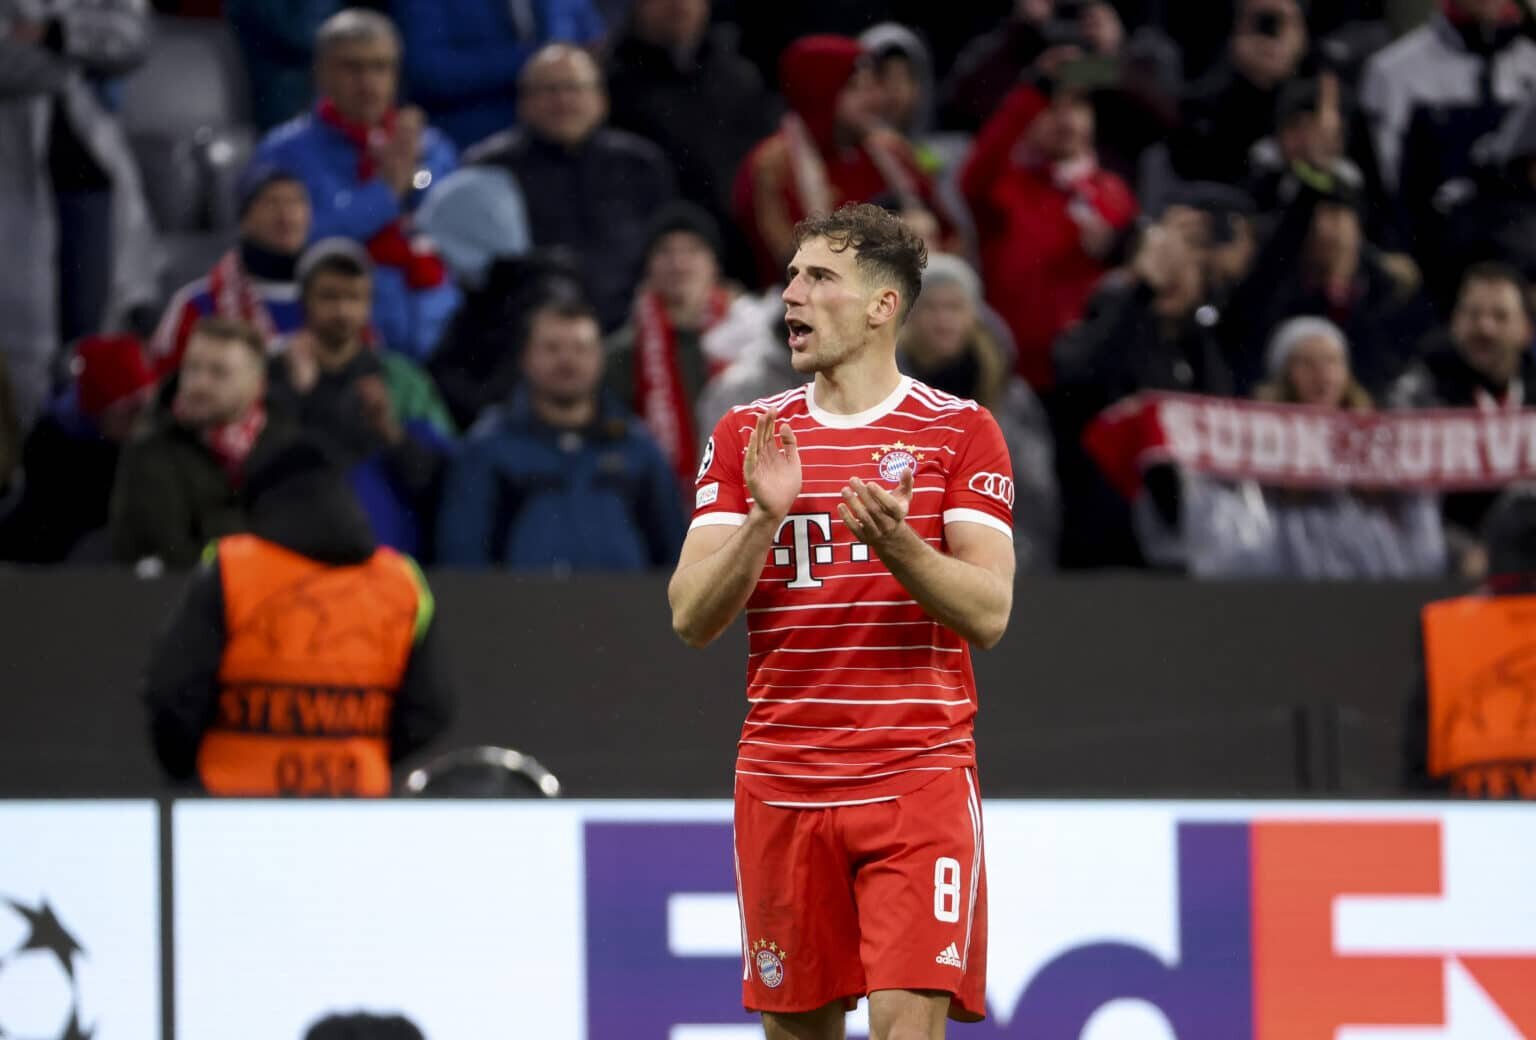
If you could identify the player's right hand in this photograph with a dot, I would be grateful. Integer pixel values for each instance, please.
(772, 465)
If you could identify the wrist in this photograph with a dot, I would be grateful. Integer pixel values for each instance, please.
(760, 515)
(899, 545)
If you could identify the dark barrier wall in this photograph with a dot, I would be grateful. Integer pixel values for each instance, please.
(1114, 685)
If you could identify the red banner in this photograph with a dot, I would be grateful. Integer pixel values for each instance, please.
(1304, 447)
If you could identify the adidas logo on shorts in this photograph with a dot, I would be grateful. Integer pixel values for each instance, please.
(950, 956)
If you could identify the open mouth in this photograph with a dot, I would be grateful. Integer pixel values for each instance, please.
(799, 333)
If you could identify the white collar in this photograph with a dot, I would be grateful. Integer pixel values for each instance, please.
(857, 419)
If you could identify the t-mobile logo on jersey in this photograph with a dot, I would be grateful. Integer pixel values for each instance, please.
(801, 554)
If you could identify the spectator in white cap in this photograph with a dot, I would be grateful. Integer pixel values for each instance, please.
(948, 344)
(1308, 363)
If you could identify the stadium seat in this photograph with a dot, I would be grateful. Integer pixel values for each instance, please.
(481, 772)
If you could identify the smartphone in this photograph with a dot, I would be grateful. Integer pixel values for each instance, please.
(1090, 73)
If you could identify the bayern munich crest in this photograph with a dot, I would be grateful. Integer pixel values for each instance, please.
(896, 459)
(769, 958)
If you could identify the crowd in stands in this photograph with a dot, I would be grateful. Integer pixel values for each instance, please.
(509, 262)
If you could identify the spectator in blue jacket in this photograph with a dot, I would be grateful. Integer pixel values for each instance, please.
(563, 479)
(462, 59)
(367, 164)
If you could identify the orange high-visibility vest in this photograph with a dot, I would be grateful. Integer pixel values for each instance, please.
(1480, 662)
(313, 657)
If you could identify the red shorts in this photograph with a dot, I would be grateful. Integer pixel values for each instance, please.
(839, 902)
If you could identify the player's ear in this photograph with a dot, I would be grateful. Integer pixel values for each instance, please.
(884, 307)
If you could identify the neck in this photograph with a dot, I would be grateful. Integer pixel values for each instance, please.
(266, 264)
(1338, 271)
(335, 357)
(687, 312)
(859, 383)
(565, 415)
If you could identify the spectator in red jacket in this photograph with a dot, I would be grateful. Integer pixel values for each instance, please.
(1047, 217)
(831, 149)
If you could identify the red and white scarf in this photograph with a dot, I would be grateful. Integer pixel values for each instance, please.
(394, 245)
(659, 397)
(235, 296)
(813, 186)
(232, 443)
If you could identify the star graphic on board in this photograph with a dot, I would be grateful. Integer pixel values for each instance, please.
(48, 933)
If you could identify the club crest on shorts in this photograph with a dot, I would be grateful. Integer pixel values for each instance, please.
(769, 958)
(896, 459)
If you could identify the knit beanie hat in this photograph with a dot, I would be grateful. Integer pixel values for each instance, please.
(108, 369)
(1285, 339)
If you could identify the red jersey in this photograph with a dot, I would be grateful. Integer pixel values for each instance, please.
(854, 693)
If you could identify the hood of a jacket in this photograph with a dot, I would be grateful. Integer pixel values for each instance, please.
(812, 72)
(299, 499)
(890, 38)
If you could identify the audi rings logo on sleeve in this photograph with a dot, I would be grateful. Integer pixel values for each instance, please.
(993, 485)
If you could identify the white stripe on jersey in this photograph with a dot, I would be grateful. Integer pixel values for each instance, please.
(822, 606)
(855, 686)
(876, 750)
(843, 624)
(839, 649)
(841, 729)
(865, 776)
(868, 701)
(976, 516)
(858, 668)
(830, 805)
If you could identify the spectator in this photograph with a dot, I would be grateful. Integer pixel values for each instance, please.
(375, 410)
(657, 364)
(277, 41)
(479, 221)
(903, 71)
(1485, 363)
(1318, 262)
(72, 210)
(1226, 113)
(682, 83)
(1047, 217)
(462, 60)
(596, 187)
(1158, 328)
(946, 345)
(1133, 78)
(830, 150)
(1247, 531)
(1309, 139)
(254, 282)
(305, 611)
(178, 480)
(753, 332)
(70, 457)
(367, 164)
(563, 480)
(1469, 727)
(1433, 94)
(1491, 214)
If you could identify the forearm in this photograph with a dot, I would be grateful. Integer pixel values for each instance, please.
(707, 595)
(970, 600)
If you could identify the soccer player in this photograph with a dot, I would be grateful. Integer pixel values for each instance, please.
(864, 522)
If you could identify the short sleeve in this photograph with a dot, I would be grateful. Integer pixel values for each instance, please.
(720, 490)
(980, 488)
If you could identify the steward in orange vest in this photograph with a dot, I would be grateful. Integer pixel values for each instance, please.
(302, 659)
(1473, 730)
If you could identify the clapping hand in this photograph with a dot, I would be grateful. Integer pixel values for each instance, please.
(772, 465)
(876, 515)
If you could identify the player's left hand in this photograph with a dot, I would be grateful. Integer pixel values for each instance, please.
(876, 515)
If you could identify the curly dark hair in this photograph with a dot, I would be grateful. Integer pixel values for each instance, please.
(883, 246)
